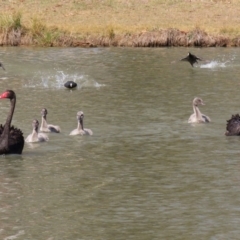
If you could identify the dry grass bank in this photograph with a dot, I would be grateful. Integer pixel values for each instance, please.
(120, 22)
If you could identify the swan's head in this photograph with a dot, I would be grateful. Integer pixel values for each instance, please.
(8, 94)
(80, 115)
(44, 112)
(198, 101)
(35, 124)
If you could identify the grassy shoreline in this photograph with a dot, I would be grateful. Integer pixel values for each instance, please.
(128, 23)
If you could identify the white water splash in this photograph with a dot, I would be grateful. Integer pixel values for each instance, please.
(57, 80)
(224, 62)
(214, 64)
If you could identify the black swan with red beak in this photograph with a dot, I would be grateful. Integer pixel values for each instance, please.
(11, 138)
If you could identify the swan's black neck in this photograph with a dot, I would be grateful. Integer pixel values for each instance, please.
(6, 130)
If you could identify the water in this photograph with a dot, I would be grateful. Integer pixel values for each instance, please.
(145, 173)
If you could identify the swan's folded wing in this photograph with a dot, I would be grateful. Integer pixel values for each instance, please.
(233, 126)
(54, 128)
(16, 140)
(42, 137)
(206, 118)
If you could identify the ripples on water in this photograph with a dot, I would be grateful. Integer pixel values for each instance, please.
(57, 80)
(145, 173)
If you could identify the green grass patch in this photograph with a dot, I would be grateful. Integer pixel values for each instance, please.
(230, 31)
(11, 22)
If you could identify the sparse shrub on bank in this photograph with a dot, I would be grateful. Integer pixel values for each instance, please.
(14, 33)
(144, 23)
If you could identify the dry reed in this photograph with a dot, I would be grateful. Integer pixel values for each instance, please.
(144, 23)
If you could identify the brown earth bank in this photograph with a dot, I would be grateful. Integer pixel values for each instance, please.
(126, 23)
(158, 38)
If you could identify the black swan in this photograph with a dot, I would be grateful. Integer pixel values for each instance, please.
(80, 130)
(1, 65)
(48, 127)
(233, 126)
(197, 116)
(191, 59)
(11, 138)
(35, 136)
(70, 84)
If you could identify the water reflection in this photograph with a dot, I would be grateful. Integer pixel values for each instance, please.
(145, 173)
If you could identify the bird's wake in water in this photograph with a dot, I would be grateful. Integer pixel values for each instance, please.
(44, 80)
(218, 63)
(214, 64)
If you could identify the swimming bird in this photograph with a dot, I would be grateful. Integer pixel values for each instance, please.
(35, 136)
(70, 84)
(11, 138)
(197, 116)
(80, 130)
(45, 127)
(1, 65)
(191, 59)
(233, 126)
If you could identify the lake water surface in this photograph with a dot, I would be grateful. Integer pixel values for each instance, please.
(145, 173)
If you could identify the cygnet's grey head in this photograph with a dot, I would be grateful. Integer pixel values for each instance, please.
(44, 112)
(198, 101)
(80, 115)
(35, 124)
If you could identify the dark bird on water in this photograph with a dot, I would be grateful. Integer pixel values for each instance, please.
(11, 138)
(1, 65)
(191, 59)
(70, 84)
(233, 126)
